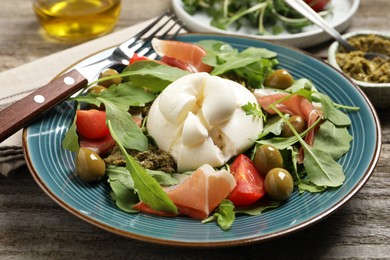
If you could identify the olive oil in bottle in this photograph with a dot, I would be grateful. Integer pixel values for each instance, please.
(77, 20)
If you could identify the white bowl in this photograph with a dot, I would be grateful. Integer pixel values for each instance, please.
(378, 93)
(342, 14)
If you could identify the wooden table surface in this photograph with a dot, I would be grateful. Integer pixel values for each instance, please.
(32, 226)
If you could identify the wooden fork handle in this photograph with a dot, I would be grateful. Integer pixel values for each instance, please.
(28, 109)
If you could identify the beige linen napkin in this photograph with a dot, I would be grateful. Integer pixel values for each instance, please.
(21, 81)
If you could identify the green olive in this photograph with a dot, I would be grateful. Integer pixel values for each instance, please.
(266, 158)
(97, 89)
(89, 165)
(108, 73)
(279, 184)
(280, 79)
(298, 122)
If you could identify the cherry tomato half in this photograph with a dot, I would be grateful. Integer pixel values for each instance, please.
(249, 183)
(92, 123)
(317, 5)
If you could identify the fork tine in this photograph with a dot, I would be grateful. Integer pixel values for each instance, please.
(150, 53)
(136, 43)
(145, 30)
(172, 36)
(159, 29)
(148, 50)
(145, 42)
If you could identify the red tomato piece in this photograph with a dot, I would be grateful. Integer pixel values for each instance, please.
(249, 183)
(317, 5)
(92, 123)
(136, 58)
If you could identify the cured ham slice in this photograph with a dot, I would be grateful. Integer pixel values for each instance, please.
(186, 53)
(198, 195)
(99, 146)
(293, 105)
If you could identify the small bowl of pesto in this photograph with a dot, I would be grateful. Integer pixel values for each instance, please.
(373, 76)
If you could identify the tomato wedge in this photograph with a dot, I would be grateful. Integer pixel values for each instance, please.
(249, 183)
(91, 123)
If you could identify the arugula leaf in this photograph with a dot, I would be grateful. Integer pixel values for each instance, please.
(224, 215)
(122, 95)
(88, 98)
(259, 207)
(253, 109)
(290, 161)
(260, 53)
(279, 142)
(71, 139)
(301, 84)
(127, 131)
(306, 93)
(148, 189)
(122, 188)
(163, 178)
(310, 187)
(255, 73)
(124, 198)
(333, 140)
(244, 59)
(121, 174)
(118, 173)
(273, 125)
(321, 169)
(125, 95)
(233, 63)
(217, 52)
(332, 113)
(152, 75)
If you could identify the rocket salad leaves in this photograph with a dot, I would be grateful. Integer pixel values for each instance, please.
(249, 66)
(259, 14)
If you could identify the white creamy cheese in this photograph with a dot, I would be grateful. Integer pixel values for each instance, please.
(198, 119)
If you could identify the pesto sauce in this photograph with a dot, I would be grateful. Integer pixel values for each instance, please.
(152, 159)
(356, 66)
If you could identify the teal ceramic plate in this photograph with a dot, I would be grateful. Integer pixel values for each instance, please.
(53, 168)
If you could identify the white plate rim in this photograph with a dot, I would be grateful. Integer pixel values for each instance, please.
(302, 40)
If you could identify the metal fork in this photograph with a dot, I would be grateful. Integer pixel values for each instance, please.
(28, 109)
(139, 43)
